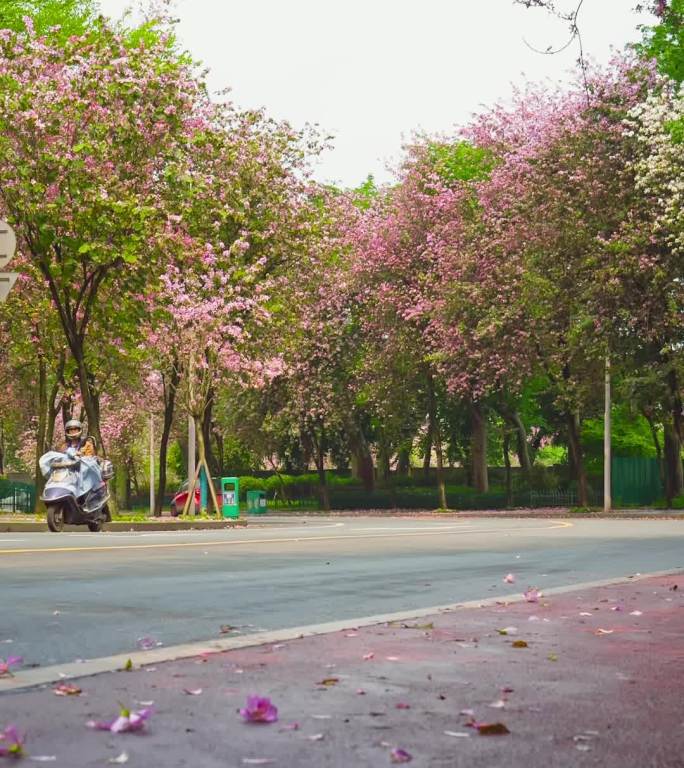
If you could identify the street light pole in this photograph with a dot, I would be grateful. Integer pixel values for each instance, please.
(607, 500)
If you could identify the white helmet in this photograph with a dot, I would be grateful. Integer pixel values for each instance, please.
(73, 429)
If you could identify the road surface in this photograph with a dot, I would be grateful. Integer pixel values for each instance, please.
(71, 596)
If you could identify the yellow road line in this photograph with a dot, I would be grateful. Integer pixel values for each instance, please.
(298, 539)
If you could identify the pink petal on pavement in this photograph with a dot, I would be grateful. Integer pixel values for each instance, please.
(398, 755)
(259, 709)
(66, 689)
(509, 578)
(402, 705)
(12, 742)
(147, 643)
(126, 722)
(532, 595)
(193, 691)
(368, 656)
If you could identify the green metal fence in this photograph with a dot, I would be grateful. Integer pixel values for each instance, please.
(17, 497)
(635, 480)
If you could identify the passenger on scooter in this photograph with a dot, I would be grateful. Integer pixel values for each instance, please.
(75, 440)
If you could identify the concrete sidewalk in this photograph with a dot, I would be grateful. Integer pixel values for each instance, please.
(597, 681)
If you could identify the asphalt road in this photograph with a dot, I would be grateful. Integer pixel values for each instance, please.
(78, 595)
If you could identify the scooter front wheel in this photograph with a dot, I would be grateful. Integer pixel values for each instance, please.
(95, 527)
(55, 518)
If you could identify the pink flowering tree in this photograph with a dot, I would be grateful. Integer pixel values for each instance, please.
(561, 189)
(208, 310)
(88, 127)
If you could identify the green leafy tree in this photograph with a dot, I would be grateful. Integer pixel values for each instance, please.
(73, 17)
(665, 40)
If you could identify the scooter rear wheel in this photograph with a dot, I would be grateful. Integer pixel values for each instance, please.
(95, 527)
(55, 518)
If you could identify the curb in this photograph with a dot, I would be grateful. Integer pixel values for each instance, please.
(40, 676)
(200, 525)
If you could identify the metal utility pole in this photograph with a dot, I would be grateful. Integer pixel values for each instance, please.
(191, 457)
(151, 465)
(607, 500)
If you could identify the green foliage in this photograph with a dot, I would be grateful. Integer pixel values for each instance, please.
(74, 17)
(676, 129)
(365, 193)
(630, 434)
(550, 455)
(665, 41)
(460, 162)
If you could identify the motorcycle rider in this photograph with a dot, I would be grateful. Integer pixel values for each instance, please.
(74, 439)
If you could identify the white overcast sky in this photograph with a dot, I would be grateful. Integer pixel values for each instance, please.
(371, 72)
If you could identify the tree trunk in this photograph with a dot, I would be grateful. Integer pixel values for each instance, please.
(674, 479)
(403, 461)
(42, 431)
(507, 465)
(647, 414)
(521, 447)
(384, 469)
(207, 420)
(2, 447)
(362, 461)
(576, 454)
(427, 448)
(441, 484)
(674, 482)
(169, 408)
(436, 439)
(319, 457)
(479, 447)
(127, 484)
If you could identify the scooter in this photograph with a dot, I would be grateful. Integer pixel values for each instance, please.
(76, 491)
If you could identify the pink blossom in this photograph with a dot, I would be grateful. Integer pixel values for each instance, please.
(259, 710)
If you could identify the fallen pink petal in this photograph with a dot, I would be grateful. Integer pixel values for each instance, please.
(532, 595)
(193, 691)
(126, 722)
(509, 578)
(402, 705)
(11, 742)
(66, 689)
(147, 643)
(398, 755)
(6, 665)
(368, 656)
(259, 709)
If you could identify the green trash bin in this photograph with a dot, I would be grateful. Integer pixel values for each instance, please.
(230, 497)
(256, 502)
